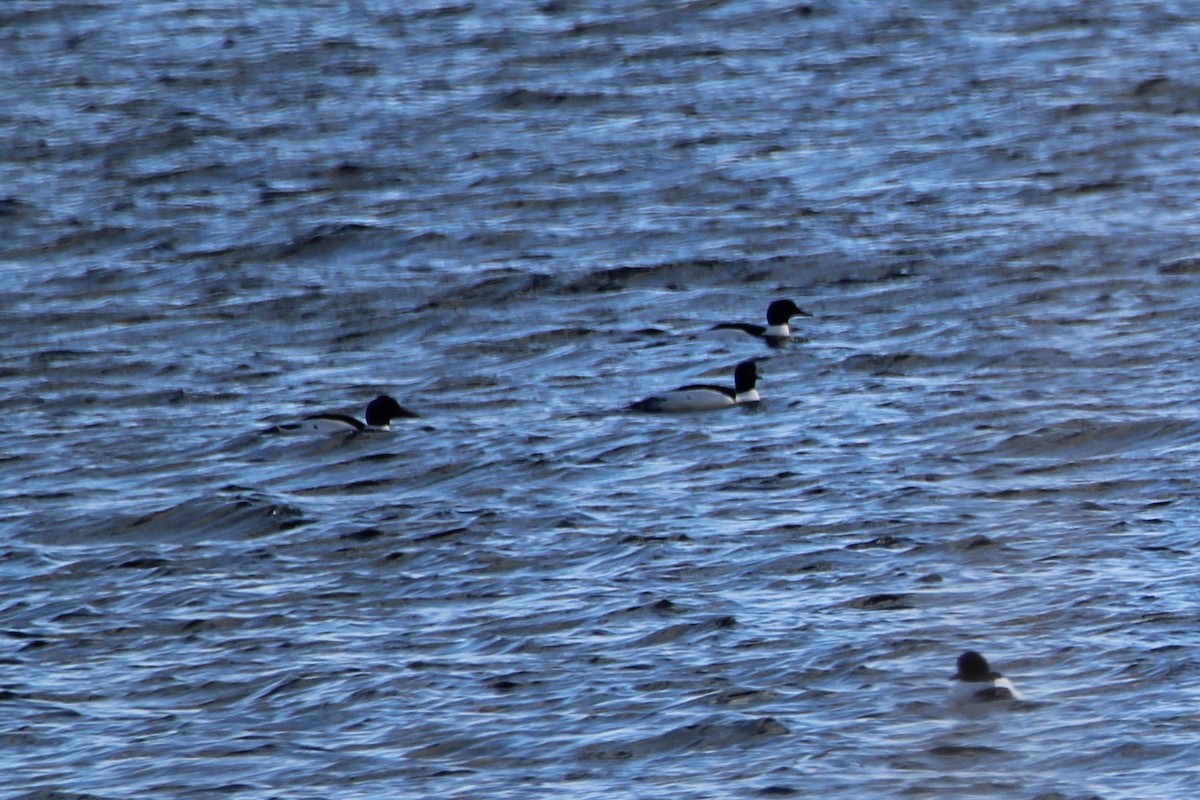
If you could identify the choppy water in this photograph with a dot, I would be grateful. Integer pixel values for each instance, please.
(516, 218)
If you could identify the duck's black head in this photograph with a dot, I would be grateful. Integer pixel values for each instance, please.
(745, 376)
(384, 409)
(780, 311)
(973, 667)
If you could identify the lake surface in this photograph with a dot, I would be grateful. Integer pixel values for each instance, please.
(516, 218)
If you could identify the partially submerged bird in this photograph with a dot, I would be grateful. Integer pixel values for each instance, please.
(976, 682)
(777, 330)
(705, 397)
(380, 413)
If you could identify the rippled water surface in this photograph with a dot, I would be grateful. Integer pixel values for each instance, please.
(517, 217)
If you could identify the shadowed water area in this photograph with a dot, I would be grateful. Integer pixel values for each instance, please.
(516, 218)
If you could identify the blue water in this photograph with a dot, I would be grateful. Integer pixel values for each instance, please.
(517, 218)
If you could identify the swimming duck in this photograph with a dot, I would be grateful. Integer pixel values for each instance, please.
(380, 413)
(705, 397)
(975, 681)
(777, 330)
